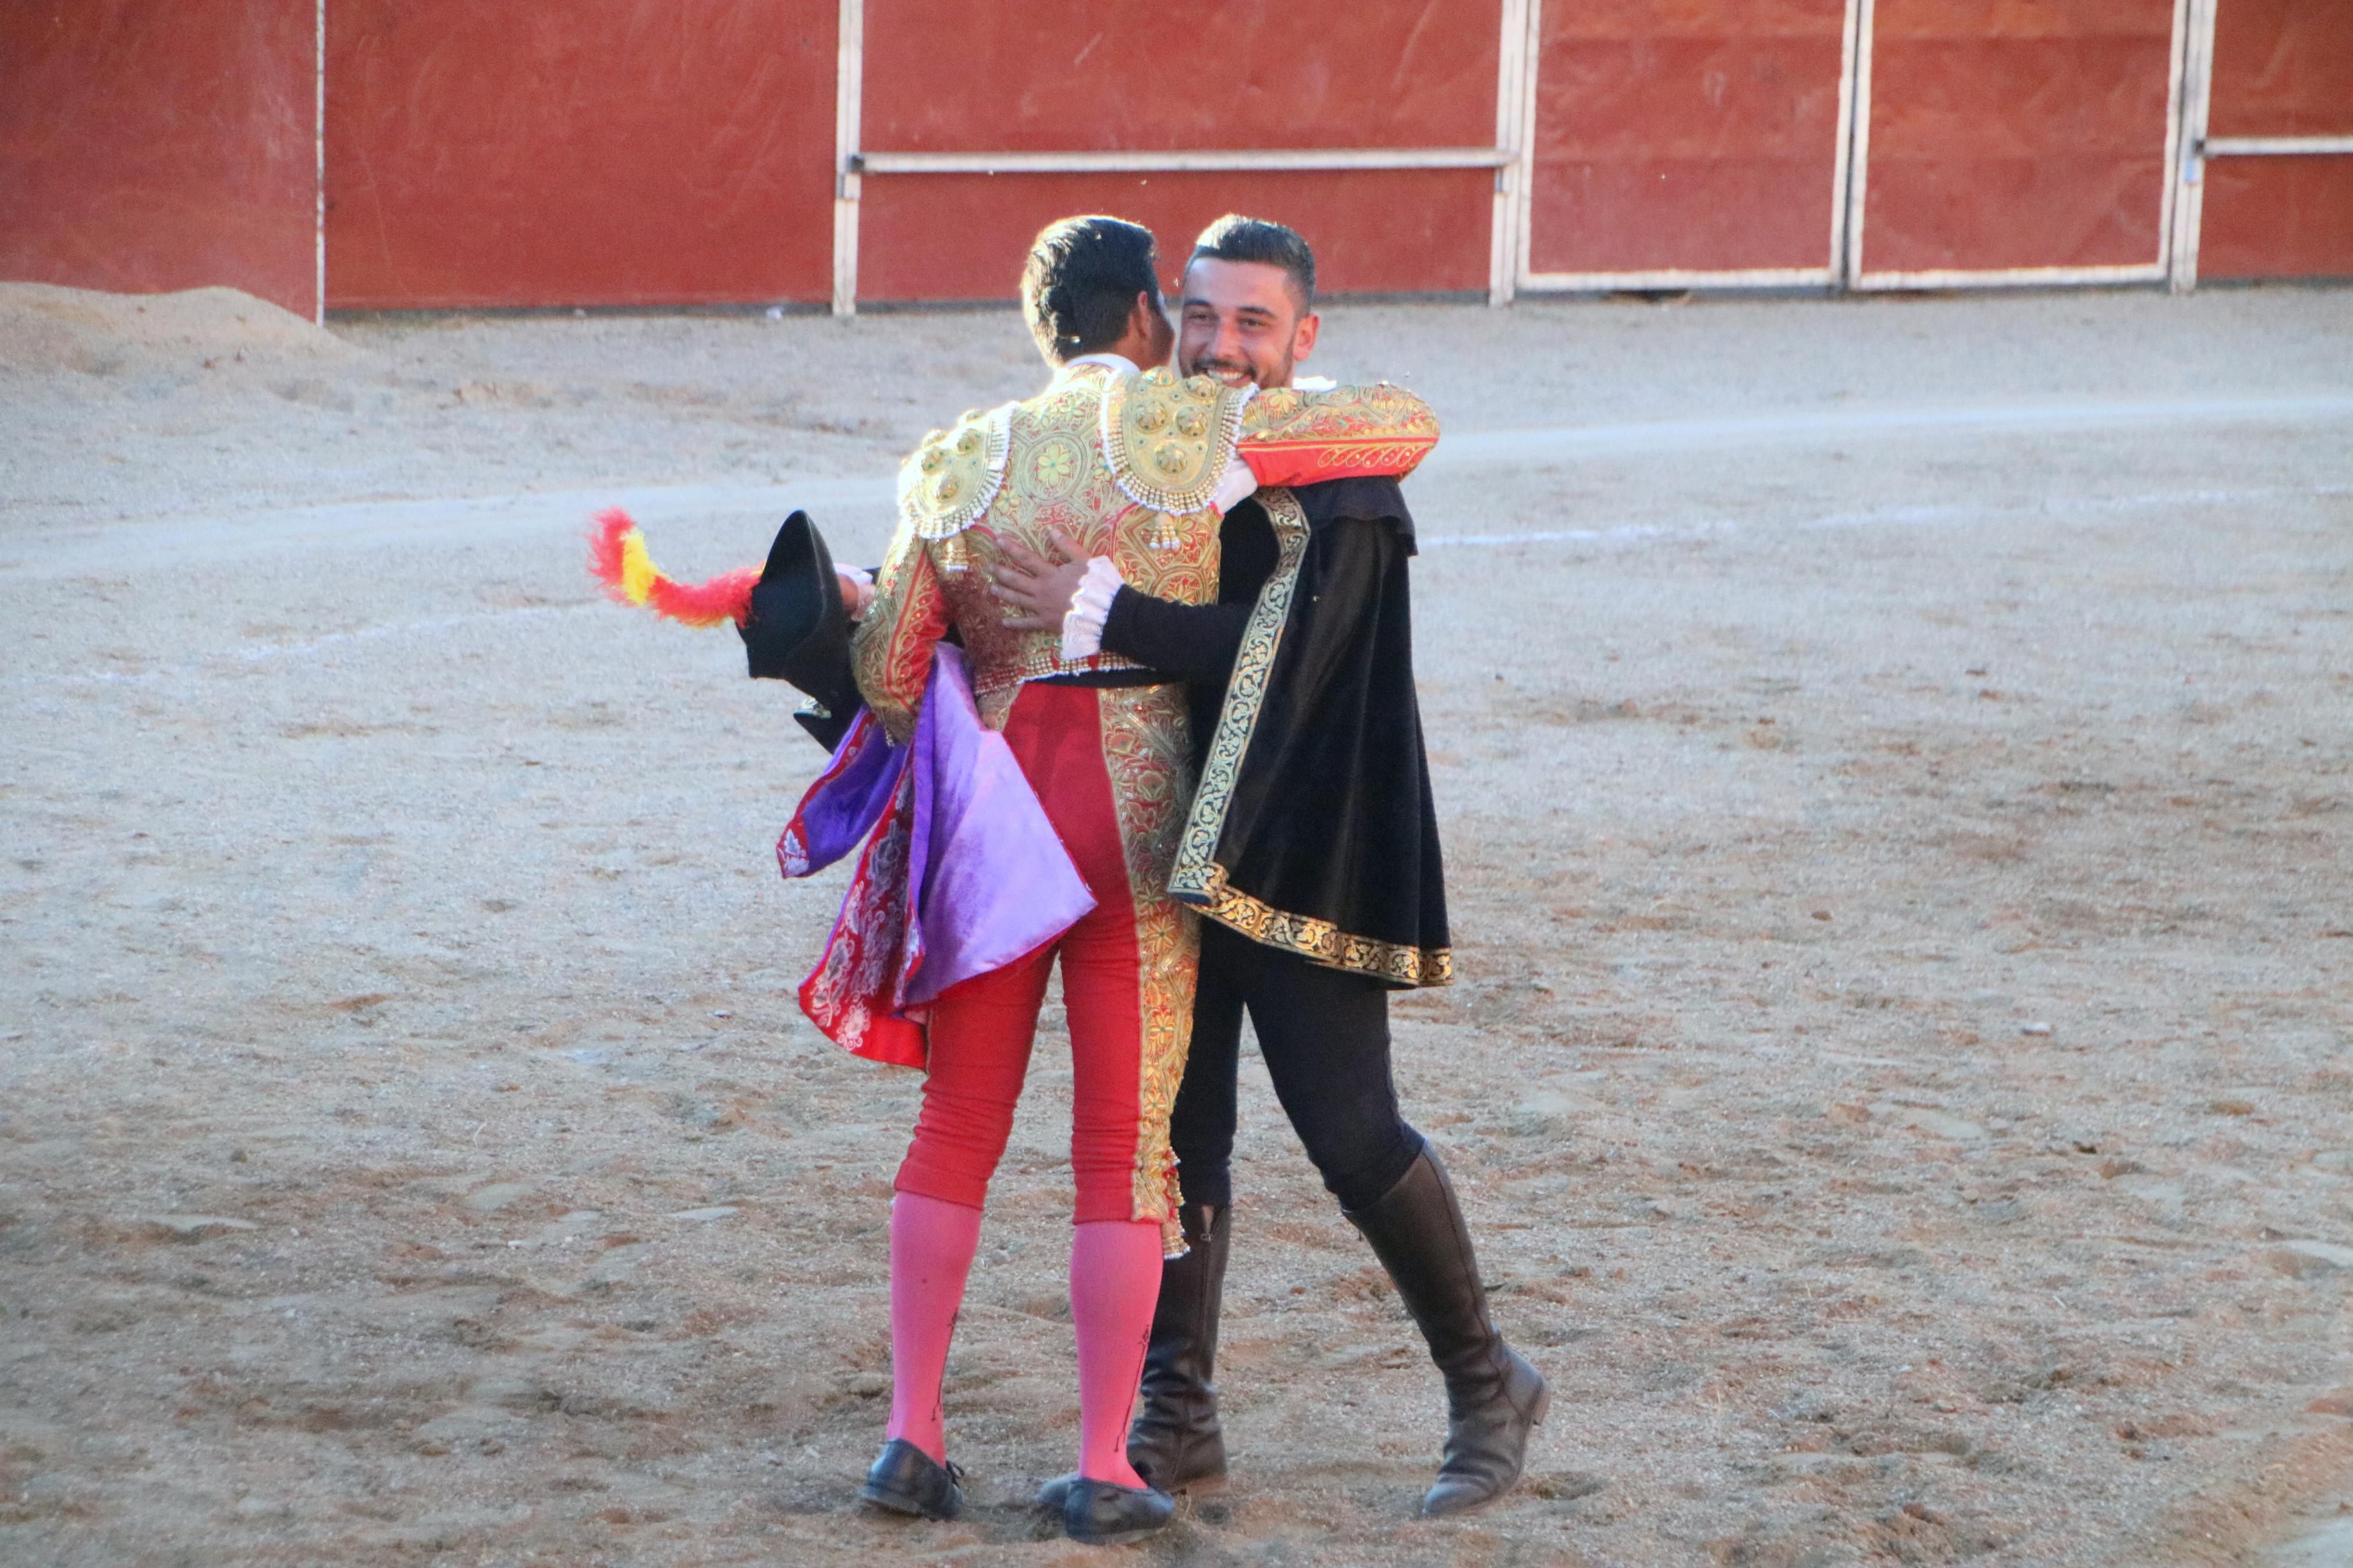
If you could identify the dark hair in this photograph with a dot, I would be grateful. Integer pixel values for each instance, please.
(1234, 238)
(1082, 280)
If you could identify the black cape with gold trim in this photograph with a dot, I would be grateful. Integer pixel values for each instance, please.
(1314, 828)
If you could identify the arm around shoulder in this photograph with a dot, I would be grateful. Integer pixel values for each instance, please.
(1293, 438)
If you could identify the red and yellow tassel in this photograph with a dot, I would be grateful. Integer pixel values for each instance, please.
(618, 558)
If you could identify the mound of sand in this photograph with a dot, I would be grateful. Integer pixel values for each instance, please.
(44, 327)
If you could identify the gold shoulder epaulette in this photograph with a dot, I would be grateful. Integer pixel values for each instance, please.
(950, 478)
(1169, 441)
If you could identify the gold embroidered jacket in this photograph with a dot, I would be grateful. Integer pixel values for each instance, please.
(1126, 463)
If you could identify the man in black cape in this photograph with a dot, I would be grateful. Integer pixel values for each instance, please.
(1312, 850)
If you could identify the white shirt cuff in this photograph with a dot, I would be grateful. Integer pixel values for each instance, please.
(1082, 624)
(1237, 485)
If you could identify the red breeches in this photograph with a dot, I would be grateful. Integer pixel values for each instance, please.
(980, 1031)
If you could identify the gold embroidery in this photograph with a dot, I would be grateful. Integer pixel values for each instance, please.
(1245, 695)
(1381, 428)
(952, 477)
(1020, 474)
(1198, 878)
(891, 651)
(1169, 441)
(1145, 747)
(1056, 480)
(1324, 943)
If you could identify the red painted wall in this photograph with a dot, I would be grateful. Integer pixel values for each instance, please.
(602, 152)
(147, 146)
(2277, 217)
(1686, 135)
(2017, 133)
(1083, 74)
(2281, 68)
(644, 153)
(962, 236)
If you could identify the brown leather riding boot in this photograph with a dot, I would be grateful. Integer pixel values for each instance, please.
(1495, 1398)
(1176, 1443)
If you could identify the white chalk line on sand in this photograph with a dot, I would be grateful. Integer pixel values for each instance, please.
(265, 653)
(2057, 509)
(1832, 423)
(152, 539)
(2054, 508)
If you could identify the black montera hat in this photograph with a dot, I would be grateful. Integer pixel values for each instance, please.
(797, 631)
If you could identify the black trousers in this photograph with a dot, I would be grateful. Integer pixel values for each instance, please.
(1324, 1036)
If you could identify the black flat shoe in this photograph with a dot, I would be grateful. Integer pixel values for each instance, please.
(905, 1479)
(1100, 1513)
(1056, 1493)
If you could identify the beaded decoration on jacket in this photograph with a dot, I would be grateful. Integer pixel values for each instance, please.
(1020, 473)
(1126, 464)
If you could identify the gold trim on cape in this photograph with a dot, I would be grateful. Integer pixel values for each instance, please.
(1245, 695)
(1323, 942)
(1198, 879)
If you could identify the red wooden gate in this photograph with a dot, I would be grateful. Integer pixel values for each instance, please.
(404, 153)
(1678, 142)
(2277, 174)
(604, 152)
(976, 126)
(2014, 141)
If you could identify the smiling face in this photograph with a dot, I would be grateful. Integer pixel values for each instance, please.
(1240, 321)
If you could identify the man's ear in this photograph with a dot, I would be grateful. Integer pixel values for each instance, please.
(1150, 324)
(1303, 338)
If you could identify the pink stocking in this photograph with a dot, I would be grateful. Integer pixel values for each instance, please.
(1115, 1284)
(932, 1244)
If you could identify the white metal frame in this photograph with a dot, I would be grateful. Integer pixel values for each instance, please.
(2189, 166)
(1829, 273)
(1516, 121)
(2276, 146)
(319, 167)
(1179, 162)
(849, 83)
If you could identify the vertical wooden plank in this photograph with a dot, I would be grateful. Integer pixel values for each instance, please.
(1512, 87)
(319, 162)
(849, 76)
(1842, 181)
(2188, 178)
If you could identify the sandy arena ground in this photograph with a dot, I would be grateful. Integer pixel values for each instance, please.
(1894, 764)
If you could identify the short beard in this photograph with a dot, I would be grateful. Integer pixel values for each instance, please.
(1280, 376)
